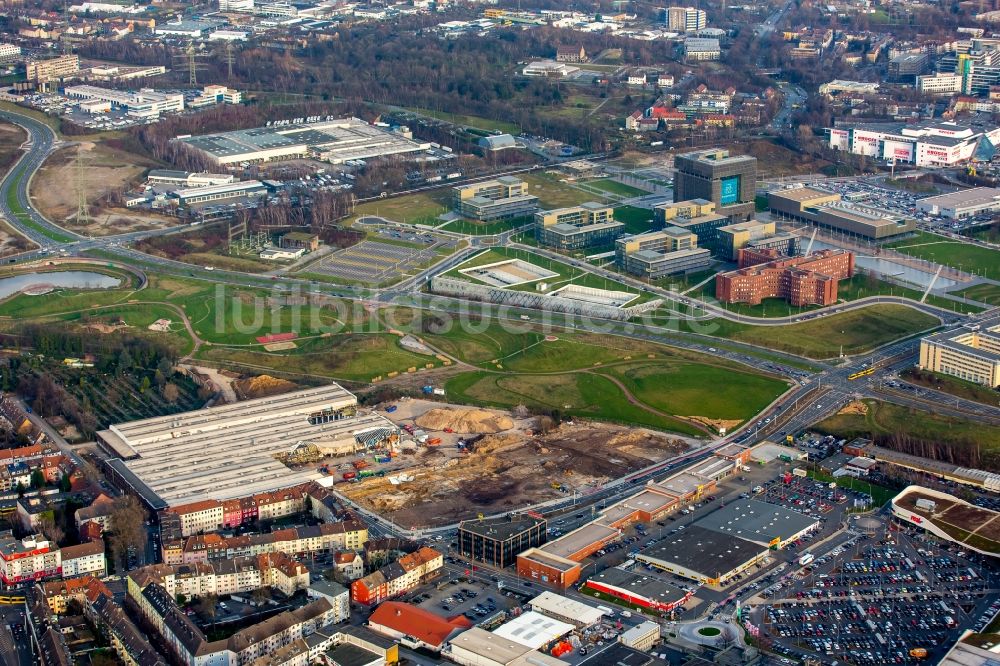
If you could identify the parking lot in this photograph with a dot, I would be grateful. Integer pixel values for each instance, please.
(476, 600)
(877, 598)
(374, 262)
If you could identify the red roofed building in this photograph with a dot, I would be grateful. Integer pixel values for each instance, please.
(809, 280)
(415, 627)
(397, 577)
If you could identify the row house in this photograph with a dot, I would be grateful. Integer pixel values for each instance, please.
(397, 577)
(328, 537)
(224, 577)
(213, 515)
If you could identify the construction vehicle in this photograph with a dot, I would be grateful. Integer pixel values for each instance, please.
(360, 464)
(433, 441)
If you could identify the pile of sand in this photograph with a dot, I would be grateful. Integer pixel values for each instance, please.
(466, 421)
(856, 407)
(715, 424)
(263, 386)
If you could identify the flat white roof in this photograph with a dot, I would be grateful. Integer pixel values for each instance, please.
(533, 630)
(565, 607)
(975, 197)
(228, 451)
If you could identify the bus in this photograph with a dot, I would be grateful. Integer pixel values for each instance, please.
(861, 373)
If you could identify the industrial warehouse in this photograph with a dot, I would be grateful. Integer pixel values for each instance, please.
(334, 141)
(234, 451)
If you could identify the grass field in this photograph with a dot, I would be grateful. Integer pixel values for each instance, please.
(615, 187)
(984, 293)
(636, 220)
(853, 332)
(473, 228)
(419, 208)
(963, 256)
(887, 419)
(552, 192)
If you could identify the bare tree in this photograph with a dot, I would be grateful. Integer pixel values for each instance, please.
(127, 527)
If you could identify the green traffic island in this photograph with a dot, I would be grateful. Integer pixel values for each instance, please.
(952, 385)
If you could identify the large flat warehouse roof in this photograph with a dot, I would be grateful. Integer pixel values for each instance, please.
(336, 140)
(757, 521)
(977, 196)
(704, 551)
(229, 451)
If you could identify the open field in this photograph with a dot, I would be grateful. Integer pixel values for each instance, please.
(883, 420)
(56, 189)
(615, 187)
(963, 256)
(552, 191)
(851, 332)
(418, 208)
(636, 220)
(11, 138)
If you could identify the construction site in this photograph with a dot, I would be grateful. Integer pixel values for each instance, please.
(453, 463)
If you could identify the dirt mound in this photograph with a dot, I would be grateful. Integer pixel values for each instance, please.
(263, 386)
(716, 424)
(466, 421)
(855, 407)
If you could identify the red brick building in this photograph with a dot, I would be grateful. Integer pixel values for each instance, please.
(810, 280)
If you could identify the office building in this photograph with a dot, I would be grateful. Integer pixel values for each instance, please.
(9, 52)
(939, 84)
(657, 254)
(728, 181)
(334, 141)
(497, 541)
(755, 234)
(701, 48)
(928, 143)
(808, 280)
(587, 225)
(250, 189)
(686, 19)
(907, 66)
(697, 216)
(53, 69)
(503, 198)
(827, 210)
(970, 352)
(146, 103)
(963, 203)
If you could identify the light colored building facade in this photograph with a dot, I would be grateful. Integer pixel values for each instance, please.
(577, 227)
(970, 352)
(503, 198)
(657, 254)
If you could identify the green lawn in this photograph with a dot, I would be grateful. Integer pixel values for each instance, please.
(474, 228)
(552, 192)
(636, 220)
(615, 187)
(853, 332)
(698, 389)
(984, 293)
(351, 357)
(419, 208)
(574, 394)
(24, 219)
(964, 256)
(888, 419)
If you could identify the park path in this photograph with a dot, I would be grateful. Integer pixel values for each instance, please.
(643, 406)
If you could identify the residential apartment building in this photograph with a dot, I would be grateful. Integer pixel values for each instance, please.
(587, 225)
(85, 558)
(571, 54)
(701, 48)
(58, 593)
(686, 19)
(31, 558)
(53, 69)
(98, 512)
(497, 541)
(970, 352)
(190, 646)
(126, 639)
(697, 216)
(499, 199)
(941, 83)
(657, 254)
(326, 538)
(9, 52)
(396, 578)
(808, 280)
(728, 181)
(213, 515)
(230, 576)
